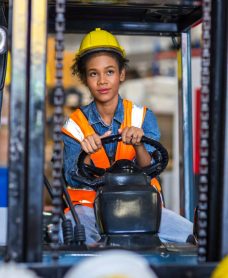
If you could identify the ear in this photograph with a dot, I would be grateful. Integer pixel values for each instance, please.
(122, 75)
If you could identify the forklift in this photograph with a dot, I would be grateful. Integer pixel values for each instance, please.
(20, 22)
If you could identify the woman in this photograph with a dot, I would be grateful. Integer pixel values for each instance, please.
(100, 63)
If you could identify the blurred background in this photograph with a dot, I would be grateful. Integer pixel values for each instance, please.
(151, 80)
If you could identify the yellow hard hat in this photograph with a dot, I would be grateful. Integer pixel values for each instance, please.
(99, 40)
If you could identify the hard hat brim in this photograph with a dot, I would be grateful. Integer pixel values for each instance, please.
(100, 49)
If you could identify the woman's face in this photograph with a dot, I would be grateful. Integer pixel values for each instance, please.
(103, 77)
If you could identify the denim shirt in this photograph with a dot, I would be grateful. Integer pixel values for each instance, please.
(72, 148)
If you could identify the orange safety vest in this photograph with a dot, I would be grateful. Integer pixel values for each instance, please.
(78, 127)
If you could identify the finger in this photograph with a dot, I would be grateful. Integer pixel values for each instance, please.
(130, 135)
(106, 134)
(84, 146)
(138, 137)
(134, 139)
(87, 146)
(97, 141)
(123, 134)
(94, 142)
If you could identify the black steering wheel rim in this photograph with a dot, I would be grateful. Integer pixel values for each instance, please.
(93, 176)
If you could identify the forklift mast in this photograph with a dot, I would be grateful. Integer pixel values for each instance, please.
(28, 22)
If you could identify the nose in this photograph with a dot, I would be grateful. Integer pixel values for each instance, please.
(102, 79)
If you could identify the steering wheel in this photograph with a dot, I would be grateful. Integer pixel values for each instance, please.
(94, 176)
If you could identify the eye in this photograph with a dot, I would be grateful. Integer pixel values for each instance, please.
(92, 74)
(110, 72)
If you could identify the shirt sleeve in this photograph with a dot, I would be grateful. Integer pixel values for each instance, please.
(150, 128)
(71, 151)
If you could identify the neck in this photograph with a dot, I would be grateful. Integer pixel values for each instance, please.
(107, 110)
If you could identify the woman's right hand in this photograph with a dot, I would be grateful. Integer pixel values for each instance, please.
(92, 143)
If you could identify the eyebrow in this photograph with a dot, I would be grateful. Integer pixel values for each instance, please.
(105, 68)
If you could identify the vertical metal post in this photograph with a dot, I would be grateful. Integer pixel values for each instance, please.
(36, 124)
(18, 141)
(224, 245)
(185, 123)
(217, 204)
(26, 151)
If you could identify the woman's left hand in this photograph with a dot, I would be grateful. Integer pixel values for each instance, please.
(131, 135)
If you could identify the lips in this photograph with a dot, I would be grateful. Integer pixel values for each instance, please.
(103, 91)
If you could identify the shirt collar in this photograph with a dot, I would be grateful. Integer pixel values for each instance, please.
(94, 117)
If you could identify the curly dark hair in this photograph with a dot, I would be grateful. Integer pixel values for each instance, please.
(79, 63)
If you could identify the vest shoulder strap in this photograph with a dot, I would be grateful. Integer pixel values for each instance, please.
(77, 126)
(133, 116)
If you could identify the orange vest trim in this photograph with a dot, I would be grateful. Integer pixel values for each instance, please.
(82, 197)
(80, 119)
(154, 182)
(125, 151)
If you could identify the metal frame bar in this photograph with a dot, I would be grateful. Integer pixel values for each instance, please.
(35, 165)
(18, 141)
(187, 191)
(125, 27)
(139, 18)
(26, 151)
(218, 186)
(224, 217)
(224, 224)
